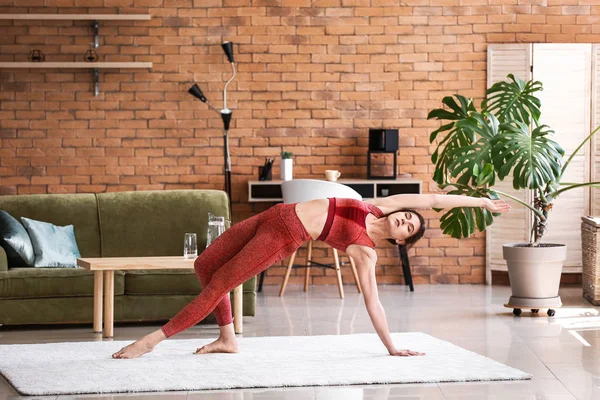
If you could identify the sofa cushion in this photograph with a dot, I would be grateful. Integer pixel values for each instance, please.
(54, 246)
(25, 283)
(15, 241)
(154, 222)
(78, 309)
(79, 210)
(3, 260)
(166, 282)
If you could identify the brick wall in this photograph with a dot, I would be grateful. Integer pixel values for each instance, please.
(313, 77)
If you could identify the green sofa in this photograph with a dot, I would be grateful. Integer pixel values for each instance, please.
(119, 224)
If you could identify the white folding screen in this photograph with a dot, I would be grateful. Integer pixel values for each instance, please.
(565, 70)
(595, 140)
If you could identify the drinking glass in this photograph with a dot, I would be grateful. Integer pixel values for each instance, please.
(190, 246)
(216, 226)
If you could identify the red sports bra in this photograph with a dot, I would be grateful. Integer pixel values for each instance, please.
(346, 223)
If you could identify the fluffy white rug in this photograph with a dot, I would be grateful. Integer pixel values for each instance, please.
(87, 367)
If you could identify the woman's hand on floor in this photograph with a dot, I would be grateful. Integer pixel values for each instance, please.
(405, 353)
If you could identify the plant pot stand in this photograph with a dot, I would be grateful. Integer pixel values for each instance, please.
(519, 303)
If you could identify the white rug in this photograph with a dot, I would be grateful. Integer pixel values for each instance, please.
(87, 367)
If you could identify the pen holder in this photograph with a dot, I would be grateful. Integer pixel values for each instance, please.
(261, 174)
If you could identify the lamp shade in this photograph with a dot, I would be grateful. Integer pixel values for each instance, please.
(197, 93)
(226, 116)
(228, 49)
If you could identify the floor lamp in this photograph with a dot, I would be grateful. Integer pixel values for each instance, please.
(225, 116)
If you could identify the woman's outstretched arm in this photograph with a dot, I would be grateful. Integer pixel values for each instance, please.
(365, 265)
(454, 200)
(424, 201)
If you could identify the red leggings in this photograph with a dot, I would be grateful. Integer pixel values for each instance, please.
(241, 252)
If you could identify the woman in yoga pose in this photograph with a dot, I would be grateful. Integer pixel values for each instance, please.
(251, 246)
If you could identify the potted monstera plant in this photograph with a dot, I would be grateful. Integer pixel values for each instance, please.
(504, 138)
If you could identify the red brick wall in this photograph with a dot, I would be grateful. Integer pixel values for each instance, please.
(313, 77)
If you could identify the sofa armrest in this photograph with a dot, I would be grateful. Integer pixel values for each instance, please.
(3, 260)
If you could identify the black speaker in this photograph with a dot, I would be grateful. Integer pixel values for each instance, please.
(383, 140)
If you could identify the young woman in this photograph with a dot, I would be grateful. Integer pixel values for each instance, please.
(251, 246)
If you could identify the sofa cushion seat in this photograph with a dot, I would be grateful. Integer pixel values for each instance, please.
(167, 282)
(30, 283)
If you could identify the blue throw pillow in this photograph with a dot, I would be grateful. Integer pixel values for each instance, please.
(54, 246)
(15, 241)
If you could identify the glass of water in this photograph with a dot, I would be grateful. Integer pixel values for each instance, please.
(216, 226)
(190, 246)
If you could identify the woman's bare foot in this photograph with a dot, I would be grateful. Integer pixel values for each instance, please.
(142, 346)
(219, 346)
(134, 350)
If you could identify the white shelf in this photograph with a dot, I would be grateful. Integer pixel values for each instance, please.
(85, 17)
(88, 65)
(270, 191)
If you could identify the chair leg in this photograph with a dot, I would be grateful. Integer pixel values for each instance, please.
(308, 256)
(287, 274)
(338, 273)
(261, 280)
(355, 274)
(406, 269)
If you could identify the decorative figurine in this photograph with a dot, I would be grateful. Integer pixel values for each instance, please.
(90, 56)
(36, 56)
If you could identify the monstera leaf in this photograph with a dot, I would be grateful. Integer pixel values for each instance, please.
(460, 222)
(456, 137)
(534, 159)
(463, 160)
(514, 100)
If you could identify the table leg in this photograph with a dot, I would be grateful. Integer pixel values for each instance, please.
(98, 301)
(238, 309)
(109, 302)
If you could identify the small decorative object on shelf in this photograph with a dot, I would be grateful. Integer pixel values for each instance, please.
(36, 56)
(90, 56)
(287, 166)
(265, 171)
(383, 145)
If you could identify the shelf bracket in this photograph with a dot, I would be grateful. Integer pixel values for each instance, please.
(96, 29)
(96, 82)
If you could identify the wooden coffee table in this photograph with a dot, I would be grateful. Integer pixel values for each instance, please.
(104, 281)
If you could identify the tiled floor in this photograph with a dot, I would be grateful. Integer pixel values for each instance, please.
(562, 353)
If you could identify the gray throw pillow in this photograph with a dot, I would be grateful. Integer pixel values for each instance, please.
(54, 246)
(15, 241)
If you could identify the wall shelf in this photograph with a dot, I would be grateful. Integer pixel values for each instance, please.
(94, 66)
(88, 65)
(81, 17)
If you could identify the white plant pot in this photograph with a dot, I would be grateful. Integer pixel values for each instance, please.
(534, 274)
(287, 169)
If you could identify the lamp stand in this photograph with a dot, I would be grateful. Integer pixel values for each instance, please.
(227, 168)
(225, 116)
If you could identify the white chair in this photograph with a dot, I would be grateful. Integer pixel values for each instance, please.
(299, 190)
